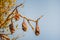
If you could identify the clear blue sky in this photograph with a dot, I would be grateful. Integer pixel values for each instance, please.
(49, 24)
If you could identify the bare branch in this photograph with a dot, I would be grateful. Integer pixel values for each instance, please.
(39, 18)
(31, 25)
(10, 15)
(20, 16)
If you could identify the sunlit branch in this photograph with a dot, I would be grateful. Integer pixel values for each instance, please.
(31, 25)
(21, 16)
(10, 15)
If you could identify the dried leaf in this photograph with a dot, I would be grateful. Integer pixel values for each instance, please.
(11, 27)
(37, 29)
(5, 37)
(2, 10)
(24, 26)
(17, 15)
(1, 6)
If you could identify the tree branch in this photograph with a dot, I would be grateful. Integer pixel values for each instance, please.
(31, 25)
(20, 16)
(9, 15)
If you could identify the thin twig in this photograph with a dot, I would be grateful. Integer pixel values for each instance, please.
(20, 16)
(27, 18)
(31, 25)
(10, 14)
(39, 18)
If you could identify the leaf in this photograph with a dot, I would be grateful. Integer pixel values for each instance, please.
(24, 25)
(5, 37)
(17, 15)
(11, 27)
(1, 6)
(37, 29)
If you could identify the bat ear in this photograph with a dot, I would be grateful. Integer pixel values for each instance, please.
(24, 26)
(37, 29)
